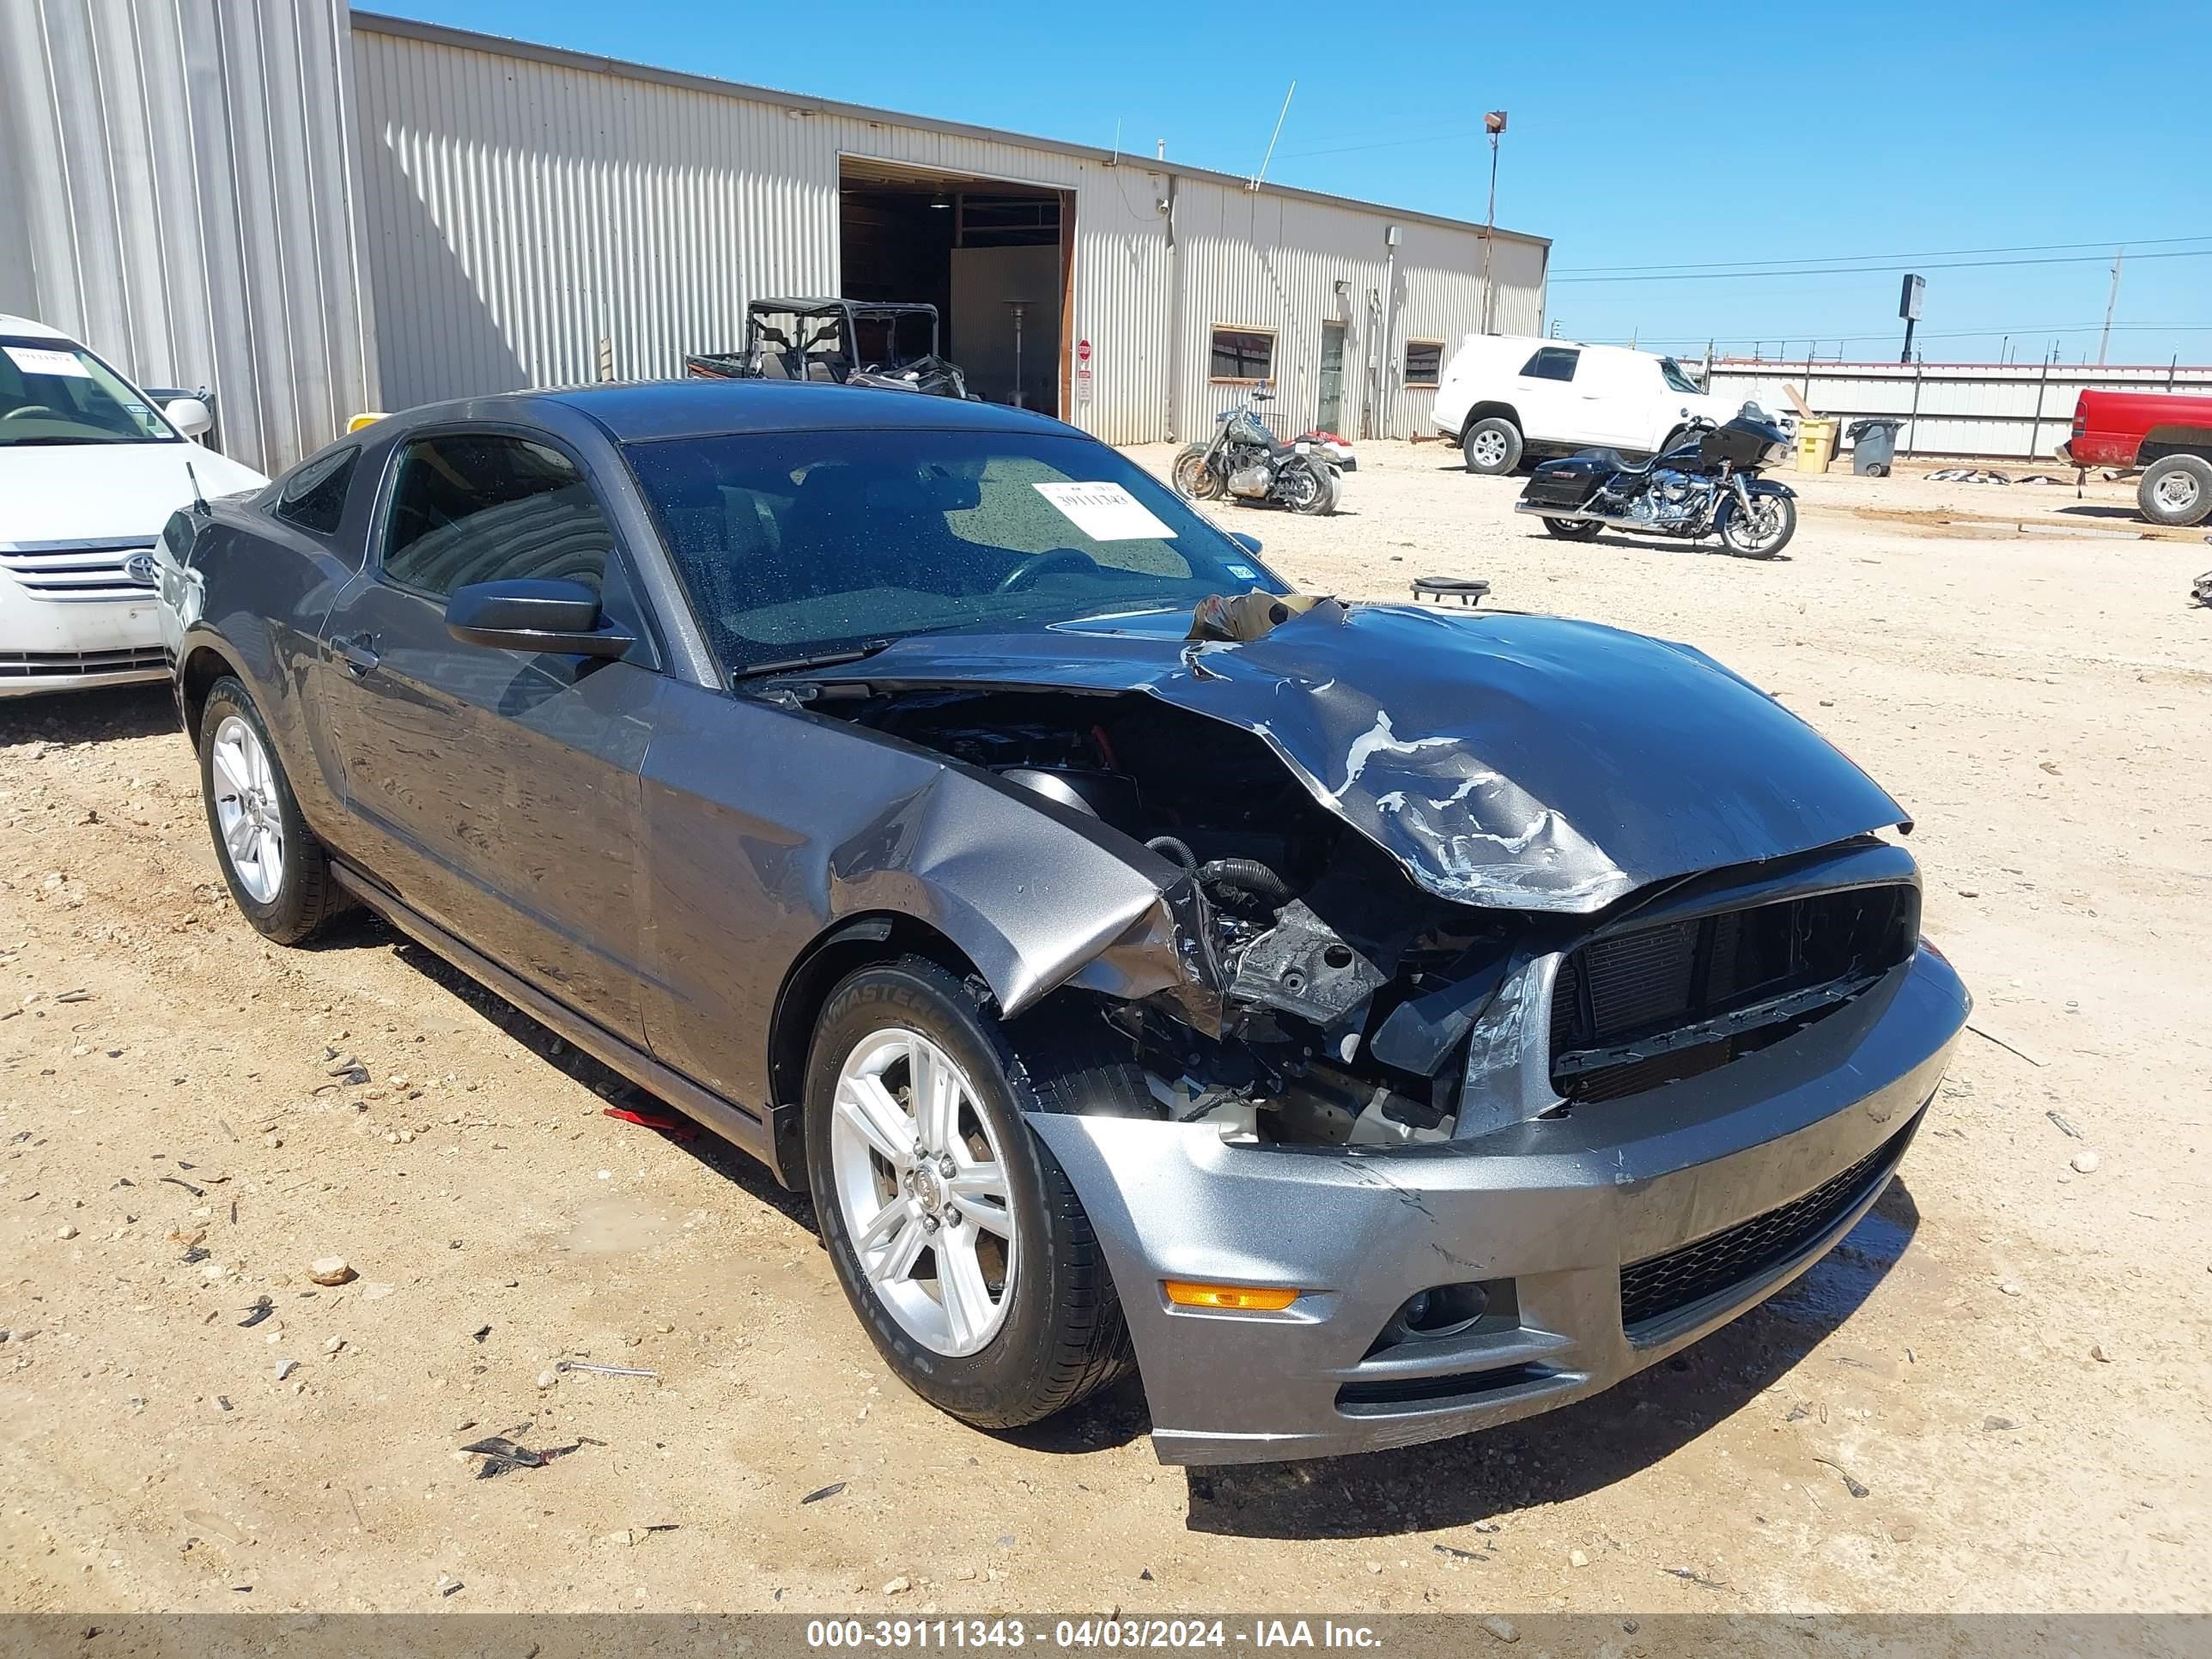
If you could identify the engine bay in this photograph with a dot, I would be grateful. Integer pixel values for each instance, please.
(1344, 1004)
(1318, 935)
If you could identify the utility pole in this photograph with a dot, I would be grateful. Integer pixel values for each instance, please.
(1493, 123)
(2111, 299)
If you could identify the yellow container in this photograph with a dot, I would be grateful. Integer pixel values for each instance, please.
(1816, 444)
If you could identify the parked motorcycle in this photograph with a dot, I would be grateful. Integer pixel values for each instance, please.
(1706, 482)
(1250, 463)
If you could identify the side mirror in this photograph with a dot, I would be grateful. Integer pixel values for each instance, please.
(188, 415)
(525, 615)
(1250, 544)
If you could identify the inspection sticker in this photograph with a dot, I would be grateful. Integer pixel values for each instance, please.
(1105, 512)
(35, 359)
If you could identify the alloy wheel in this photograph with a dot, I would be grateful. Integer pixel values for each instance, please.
(1488, 448)
(247, 811)
(924, 1191)
(1761, 528)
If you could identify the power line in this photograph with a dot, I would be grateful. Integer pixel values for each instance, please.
(1780, 338)
(1935, 253)
(1874, 270)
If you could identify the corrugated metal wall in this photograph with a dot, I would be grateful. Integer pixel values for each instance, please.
(521, 205)
(2019, 411)
(182, 170)
(1288, 265)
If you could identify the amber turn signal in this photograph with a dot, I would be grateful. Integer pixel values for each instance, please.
(1259, 1298)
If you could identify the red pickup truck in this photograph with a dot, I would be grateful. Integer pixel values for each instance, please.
(2167, 435)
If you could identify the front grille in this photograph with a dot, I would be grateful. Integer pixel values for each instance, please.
(77, 570)
(1664, 1284)
(38, 664)
(1635, 1010)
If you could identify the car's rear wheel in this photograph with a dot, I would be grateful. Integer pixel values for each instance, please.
(278, 873)
(1491, 446)
(958, 1239)
(2176, 490)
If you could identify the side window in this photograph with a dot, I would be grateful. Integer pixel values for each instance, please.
(1425, 362)
(314, 498)
(1552, 363)
(469, 508)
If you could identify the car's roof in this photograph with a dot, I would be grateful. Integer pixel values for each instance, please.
(649, 410)
(25, 328)
(1523, 342)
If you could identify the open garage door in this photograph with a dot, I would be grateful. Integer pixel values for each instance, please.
(992, 256)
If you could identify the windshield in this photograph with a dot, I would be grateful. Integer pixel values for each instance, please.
(797, 545)
(1676, 379)
(54, 392)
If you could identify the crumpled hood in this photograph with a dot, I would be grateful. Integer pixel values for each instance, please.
(108, 492)
(1529, 762)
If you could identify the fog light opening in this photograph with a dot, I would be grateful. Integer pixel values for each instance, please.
(1443, 1311)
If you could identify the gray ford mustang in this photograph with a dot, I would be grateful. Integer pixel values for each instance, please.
(1371, 1024)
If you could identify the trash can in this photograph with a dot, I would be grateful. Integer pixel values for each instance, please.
(1816, 443)
(1873, 446)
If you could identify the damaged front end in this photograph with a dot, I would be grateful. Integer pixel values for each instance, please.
(1522, 1000)
(1384, 902)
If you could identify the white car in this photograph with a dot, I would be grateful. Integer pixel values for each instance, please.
(1505, 397)
(90, 470)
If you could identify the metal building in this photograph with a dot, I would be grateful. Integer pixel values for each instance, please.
(176, 190)
(314, 212)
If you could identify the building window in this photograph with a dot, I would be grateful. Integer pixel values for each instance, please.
(1243, 353)
(1425, 362)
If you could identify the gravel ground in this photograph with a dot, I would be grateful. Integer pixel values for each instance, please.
(2008, 1356)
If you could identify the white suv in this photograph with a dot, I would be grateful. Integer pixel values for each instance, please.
(89, 473)
(1507, 396)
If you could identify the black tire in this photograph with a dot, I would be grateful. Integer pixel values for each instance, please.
(1063, 1337)
(307, 894)
(1572, 530)
(1734, 539)
(1191, 477)
(2176, 490)
(1491, 446)
(1322, 500)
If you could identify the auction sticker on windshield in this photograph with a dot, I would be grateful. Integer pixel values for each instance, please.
(36, 359)
(1105, 512)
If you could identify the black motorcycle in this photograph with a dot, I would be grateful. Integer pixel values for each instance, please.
(1706, 483)
(1246, 461)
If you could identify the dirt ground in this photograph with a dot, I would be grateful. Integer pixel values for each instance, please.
(2009, 1356)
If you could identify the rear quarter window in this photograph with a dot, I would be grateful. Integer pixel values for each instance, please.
(313, 496)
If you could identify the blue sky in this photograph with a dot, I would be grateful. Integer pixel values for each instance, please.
(1642, 135)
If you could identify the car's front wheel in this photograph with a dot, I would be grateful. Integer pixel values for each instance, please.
(957, 1238)
(277, 872)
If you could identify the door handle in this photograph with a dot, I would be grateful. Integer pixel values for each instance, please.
(356, 653)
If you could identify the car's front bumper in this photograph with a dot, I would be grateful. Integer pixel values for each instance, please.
(1799, 1138)
(49, 645)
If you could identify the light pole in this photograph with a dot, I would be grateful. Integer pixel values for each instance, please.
(1493, 123)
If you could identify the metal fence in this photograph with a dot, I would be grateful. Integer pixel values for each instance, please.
(2015, 411)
